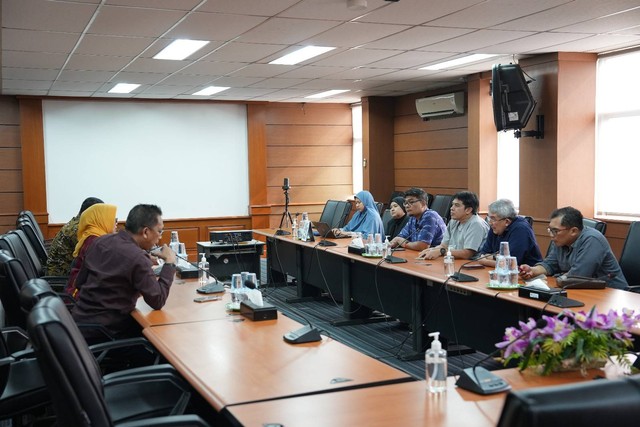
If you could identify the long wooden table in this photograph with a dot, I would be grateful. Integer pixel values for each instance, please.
(406, 404)
(412, 291)
(236, 361)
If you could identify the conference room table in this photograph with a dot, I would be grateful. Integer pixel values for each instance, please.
(413, 291)
(406, 404)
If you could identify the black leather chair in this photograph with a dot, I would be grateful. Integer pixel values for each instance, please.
(442, 205)
(12, 276)
(386, 216)
(630, 256)
(601, 226)
(587, 404)
(335, 213)
(28, 216)
(37, 244)
(81, 396)
(380, 207)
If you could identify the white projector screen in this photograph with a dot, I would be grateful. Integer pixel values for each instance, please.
(191, 159)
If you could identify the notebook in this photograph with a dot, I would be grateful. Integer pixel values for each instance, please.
(325, 231)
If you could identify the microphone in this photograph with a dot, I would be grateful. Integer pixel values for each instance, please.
(303, 335)
(481, 381)
(394, 259)
(461, 277)
(210, 288)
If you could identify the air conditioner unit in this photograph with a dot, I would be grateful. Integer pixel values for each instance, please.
(447, 104)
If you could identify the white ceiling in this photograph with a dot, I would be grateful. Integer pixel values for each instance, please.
(84, 47)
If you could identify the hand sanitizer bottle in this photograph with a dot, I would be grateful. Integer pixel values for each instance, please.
(294, 228)
(449, 266)
(203, 271)
(436, 364)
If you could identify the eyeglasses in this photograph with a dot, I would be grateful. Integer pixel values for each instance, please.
(157, 231)
(410, 202)
(554, 231)
(492, 220)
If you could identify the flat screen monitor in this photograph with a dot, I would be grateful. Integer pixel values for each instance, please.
(511, 97)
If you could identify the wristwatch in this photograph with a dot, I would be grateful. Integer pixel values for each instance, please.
(172, 264)
(443, 251)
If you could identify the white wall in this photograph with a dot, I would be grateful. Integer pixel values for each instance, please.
(191, 159)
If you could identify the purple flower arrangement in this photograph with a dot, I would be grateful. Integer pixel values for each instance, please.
(575, 339)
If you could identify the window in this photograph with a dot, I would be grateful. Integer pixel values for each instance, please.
(617, 142)
(509, 167)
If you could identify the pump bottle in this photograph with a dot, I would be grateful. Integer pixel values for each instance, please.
(436, 364)
(449, 266)
(203, 270)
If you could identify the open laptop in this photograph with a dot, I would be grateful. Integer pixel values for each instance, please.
(325, 231)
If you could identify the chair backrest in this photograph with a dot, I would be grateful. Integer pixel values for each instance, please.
(380, 207)
(442, 205)
(12, 278)
(28, 215)
(630, 255)
(335, 213)
(16, 242)
(386, 216)
(36, 243)
(601, 226)
(32, 291)
(529, 220)
(70, 370)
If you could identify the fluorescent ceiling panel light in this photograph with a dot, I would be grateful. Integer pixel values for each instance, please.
(327, 93)
(180, 49)
(207, 91)
(124, 88)
(460, 61)
(301, 55)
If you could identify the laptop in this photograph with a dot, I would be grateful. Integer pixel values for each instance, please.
(325, 231)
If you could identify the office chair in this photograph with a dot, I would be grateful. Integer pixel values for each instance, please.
(12, 276)
(529, 220)
(335, 213)
(380, 207)
(28, 216)
(442, 205)
(630, 255)
(81, 396)
(601, 226)
(37, 244)
(386, 216)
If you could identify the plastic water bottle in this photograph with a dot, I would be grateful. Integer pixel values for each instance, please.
(436, 365)
(294, 229)
(303, 227)
(385, 247)
(175, 242)
(449, 266)
(203, 270)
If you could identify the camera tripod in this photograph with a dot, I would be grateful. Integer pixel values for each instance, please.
(286, 219)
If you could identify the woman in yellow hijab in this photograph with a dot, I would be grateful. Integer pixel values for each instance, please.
(96, 221)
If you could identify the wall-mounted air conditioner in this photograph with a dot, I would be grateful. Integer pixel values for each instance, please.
(444, 105)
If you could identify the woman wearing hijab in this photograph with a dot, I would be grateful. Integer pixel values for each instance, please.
(96, 221)
(398, 219)
(366, 220)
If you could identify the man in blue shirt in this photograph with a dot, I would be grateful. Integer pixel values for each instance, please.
(507, 226)
(425, 227)
(577, 251)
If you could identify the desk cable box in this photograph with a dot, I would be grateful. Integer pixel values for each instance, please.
(540, 294)
(255, 312)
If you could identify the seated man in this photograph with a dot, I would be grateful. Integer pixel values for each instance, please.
(577, 251)
(465, 232)
(425, 227)
(117, 270)
(506, 226)
(64, 243)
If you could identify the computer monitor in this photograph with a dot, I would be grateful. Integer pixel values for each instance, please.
(511, 97)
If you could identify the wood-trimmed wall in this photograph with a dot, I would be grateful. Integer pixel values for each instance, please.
(11, 201)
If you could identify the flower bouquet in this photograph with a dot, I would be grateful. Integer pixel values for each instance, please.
(571, 340)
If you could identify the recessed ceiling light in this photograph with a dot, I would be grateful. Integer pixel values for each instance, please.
(124, 88)
(327, 93)
(459, 61)
(301, 55)
(180, 49)
(207, 91)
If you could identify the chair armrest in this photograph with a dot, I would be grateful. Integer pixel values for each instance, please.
(7, 361)
(170, 421)
(15, 338)
(101, 351)
(164, 368)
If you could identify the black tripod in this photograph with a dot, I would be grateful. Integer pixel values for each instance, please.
(286, 219)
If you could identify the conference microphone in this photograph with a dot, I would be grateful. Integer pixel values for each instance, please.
(481, 381)
(210, 288)
(397, 260)
(461, 277)
(303, 335)
(576, 282)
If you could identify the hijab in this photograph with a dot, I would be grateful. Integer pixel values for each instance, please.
(97, 220)
(394, 226)
(368, 221)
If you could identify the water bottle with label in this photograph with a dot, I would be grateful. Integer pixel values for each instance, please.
(303, 227)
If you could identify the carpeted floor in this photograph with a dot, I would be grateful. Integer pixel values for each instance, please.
(386, 341)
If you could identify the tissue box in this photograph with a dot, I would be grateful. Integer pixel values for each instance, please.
(255, 312)
(540, 294)
(355, 250)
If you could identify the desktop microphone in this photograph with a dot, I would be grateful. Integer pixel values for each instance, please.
(394, 259)
(461, 277)
(299, 336)
(481, 381)
(210, 288)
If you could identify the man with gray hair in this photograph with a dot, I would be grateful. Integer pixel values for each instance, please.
(507, 226)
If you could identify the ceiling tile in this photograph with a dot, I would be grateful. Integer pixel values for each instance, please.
(248, 7)
(286, 31)
(76, 86)
(113, 45)
(356, 57)
(29, 73)
(244, 52)
(409, 59)
(595, 44)
(481, 41)
(213, 68)
(43, 15)
(38, 41)
(417, 37)
(157, 4)
(12, 58)
(150, 65)
(131, 21)
(262, 70)
(415, 12)
(312, 72)
(140, 78)
(97, 62)
(354, 34)
(213, 26)
(85, 76)
(277, 83)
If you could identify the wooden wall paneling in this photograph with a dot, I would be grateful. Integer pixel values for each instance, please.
(483, 140)
(437, 139)
(257, 148)
(433, 159)
(324, 135)
(414, 123)
(300, 177)
(309, 114)
(377, 146)
(432, 178)
(312, 194)
(308, 156)
(33, 166)
(11, 159)
(11, 193)
(10, 181)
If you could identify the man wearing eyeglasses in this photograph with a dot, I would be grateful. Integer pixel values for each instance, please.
(506, 226)
(577, 251)
(117, 269)
(424, 228)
